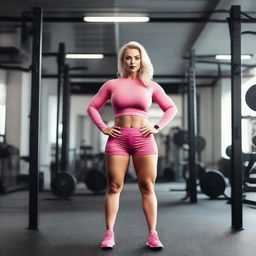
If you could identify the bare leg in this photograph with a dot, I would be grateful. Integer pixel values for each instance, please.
(116, 167)
(146, 169)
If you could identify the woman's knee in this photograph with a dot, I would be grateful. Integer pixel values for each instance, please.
(114, 187)
(146, 187)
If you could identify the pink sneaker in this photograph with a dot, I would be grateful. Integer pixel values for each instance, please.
(153, 241)
(109, 239)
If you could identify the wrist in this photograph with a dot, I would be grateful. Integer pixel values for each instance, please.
(102, 129)
(156, 127)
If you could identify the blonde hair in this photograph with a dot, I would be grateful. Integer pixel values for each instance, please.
(146, 70)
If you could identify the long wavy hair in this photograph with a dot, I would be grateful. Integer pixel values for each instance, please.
(146, 69)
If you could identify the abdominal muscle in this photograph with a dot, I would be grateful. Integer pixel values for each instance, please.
(131, 121)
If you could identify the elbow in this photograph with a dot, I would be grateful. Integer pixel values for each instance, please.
(89, 109)
(173, 109)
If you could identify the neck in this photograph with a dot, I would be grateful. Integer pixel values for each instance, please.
(131, 76)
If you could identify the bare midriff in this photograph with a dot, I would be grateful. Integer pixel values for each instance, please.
(131, 121)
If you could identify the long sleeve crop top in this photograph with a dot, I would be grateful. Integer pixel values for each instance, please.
(130, 97)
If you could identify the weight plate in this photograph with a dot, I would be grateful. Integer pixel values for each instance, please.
(228, 151)
(250, 97)
(200, 143)
(213, 184)
(180, 138)
(63, 184)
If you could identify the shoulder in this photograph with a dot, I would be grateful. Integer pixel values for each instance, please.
(156, 86)
(108, 84)
(112, 81)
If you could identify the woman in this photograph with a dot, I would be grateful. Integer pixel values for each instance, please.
(131, 97)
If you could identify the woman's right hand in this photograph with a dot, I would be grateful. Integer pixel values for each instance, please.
(113, 131)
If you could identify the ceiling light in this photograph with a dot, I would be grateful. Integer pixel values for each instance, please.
(228, 57)
(84, 56)
(116, 19)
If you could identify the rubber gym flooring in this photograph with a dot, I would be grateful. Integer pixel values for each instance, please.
(75, 227)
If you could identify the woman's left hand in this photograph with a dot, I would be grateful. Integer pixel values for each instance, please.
(148, 129)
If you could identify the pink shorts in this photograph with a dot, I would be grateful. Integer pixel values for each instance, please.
(131, 142)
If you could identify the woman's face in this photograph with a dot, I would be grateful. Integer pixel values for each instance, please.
(132, 60)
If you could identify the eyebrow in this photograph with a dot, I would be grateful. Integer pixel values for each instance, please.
(134, 56)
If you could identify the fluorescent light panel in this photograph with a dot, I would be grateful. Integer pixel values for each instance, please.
(228, 57)
(84, 56)
(116, 19)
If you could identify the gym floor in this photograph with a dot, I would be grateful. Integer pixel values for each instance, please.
(76, 226)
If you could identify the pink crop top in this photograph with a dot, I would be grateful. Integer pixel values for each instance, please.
(130, 97)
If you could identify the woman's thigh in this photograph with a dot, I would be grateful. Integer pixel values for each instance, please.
(145, 167)
(116, 167)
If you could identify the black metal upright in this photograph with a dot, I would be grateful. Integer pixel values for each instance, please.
(198, 123)
(236, 157)
(34, 118)
(192, 127)
(65, 121)
(61, 63)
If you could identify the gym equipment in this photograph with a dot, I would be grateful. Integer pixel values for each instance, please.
(228, 151)
(250, 97)
(168, 169)
(200, 170)
(63, 184)
(84, 161)
(9, 169)
(213, 184)
(236, 158)
(192, 131)
(89, 168)
(250, 181)
(224, 166)
(180, 138)
(95, 179)
(249, 171)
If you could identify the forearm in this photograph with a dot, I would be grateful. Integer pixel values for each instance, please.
(95, 116)
(167, 117)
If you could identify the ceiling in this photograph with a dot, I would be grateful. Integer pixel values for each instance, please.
(168, 43)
